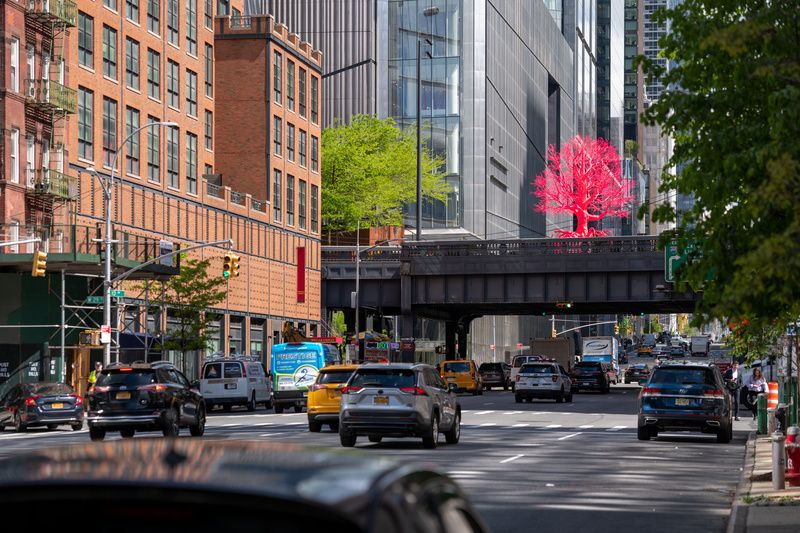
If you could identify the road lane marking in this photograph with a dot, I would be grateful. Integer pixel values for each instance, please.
(231, 425)
(553, 426)
(586, 426)
(616, 428)
(488, 424)
(512, 459)
(513, 413)
(264, 424)
(520, 425)
(484, 412)
(295, 424)
(268, 434)
(569, 436)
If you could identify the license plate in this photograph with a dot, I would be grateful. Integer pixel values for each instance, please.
(381, 400)
(123, 396)
(305, 394)
(451, 380)
(231, 386)
(57, 405)
(682, 401)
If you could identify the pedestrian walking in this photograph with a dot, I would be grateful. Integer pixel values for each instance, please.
(733, 380)
(98, 366)
(755, 385)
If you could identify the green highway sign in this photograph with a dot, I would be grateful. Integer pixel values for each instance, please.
(118, 294)
(94, 299)
(673, 260)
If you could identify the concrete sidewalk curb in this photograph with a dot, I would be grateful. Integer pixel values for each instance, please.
(737, 521)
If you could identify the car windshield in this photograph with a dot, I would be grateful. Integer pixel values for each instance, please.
(522, 359)
(45, 389)
(638, 367)
(456, 367)
(129, 378)
(587, 367)
(334, 376)
(536, 369)
(380, 377)
(491, 367)
(683, 376)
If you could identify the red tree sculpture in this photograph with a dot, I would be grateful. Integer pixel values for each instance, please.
(584, 179)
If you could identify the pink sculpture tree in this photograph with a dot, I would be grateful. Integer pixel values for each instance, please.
(584, 179)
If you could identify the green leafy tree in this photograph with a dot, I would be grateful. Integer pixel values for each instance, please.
(369, 171)
(338, 325)
(732, 110)
(753, 340)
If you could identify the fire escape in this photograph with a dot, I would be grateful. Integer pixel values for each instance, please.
(49, 102)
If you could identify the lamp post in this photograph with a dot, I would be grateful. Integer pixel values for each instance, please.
(107, 242)
(428, 12)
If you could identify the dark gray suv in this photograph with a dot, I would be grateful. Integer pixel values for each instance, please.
(398, 400)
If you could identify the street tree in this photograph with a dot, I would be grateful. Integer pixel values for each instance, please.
(369, 171)
(731, 106)
(585, 180)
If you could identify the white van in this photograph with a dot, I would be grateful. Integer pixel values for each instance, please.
(235, 381)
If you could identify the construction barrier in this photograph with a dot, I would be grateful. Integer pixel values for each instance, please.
(772, 397)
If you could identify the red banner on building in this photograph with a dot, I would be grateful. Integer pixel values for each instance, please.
(301, 274)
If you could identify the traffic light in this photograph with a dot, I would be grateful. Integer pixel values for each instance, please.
(563, 305)
(227, 265)
(39, 264)
(234, 265)
(554, 333)
(616, 329)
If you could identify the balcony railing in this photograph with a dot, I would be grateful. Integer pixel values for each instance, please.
(214, 190)
(241, 21)
(258, 205)
(237, 198)
(53, 182)
(64, 11)
(51, 96)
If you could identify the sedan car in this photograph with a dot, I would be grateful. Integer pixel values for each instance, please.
(637, 373)
(685, 397)
(231, 486)
(41, 404)
(495, 375)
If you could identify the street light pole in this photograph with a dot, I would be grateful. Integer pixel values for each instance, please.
(427, 12)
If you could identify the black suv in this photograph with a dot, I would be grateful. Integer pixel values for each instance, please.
(144, 397)
(495, 375)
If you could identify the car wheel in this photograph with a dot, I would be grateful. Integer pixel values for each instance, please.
(278, 408)
(227, 408)
(453, 435)
(480, 391)
(169, 424)
(724, 435)
(475, 392)
(251, 405)
(431, 439)
(505, 385)
(97, 433)
(77, 426)
(529, 400)
(298, 408)
(569, 396)
(347, 440)
(643, 433)
(560, 396)
(209, 406)
(607, 388)
(199, 428)
(268, 403)
(314, 426)
(2, 427)
(52, 426)
(375, 438)
(517, 398)
(19, 425)
(127, 433)
(513, 387)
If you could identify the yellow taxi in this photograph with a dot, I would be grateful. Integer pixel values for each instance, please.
(324, 396)
(464, 373)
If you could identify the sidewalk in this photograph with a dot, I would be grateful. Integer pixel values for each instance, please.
(756, 507)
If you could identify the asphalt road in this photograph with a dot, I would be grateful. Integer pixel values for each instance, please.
(540, 466)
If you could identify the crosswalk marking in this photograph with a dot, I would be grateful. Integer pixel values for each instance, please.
(520, 425)
(616, 428)
(484, 412)
(569, 436)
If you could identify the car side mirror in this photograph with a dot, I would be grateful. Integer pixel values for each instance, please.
(452, 387)
(195, 384)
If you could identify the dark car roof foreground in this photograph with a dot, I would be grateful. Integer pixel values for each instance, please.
(277, 480)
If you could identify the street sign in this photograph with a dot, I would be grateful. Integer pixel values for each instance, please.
(94, 299)
(105, 334)
(672, 260)
(118, 294)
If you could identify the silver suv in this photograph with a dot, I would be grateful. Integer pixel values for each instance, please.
(398, 400)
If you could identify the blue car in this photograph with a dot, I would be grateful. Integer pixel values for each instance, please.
(41, 404)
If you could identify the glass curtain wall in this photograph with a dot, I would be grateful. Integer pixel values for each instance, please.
(438, 21)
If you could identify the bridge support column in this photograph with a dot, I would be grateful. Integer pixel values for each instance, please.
(450, 330)
(463, 329)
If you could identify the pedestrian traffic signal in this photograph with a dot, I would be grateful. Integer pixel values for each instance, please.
(234, 265)
(39, 264)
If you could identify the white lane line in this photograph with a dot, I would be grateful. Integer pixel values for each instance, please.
(268, 434)
(230, 425)
(553, 426)
(616, 428)
(484, 412)
(488, 424)
(295, 424)
(565, 437)
(264, 424)
(513, 413)
(586, 426)
(512, 459)
(520, 425)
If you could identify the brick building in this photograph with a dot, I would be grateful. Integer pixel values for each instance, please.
(128, 63)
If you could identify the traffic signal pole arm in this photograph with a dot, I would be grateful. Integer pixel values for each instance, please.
(127, 273)
(587, 326)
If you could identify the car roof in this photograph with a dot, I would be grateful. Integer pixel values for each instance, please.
(394, 366)
(139, 365)
(334, 368)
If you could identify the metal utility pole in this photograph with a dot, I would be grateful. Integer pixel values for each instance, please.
(427, 12)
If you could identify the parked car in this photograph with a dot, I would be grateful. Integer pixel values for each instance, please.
(399, 400)
(685, 397)
(517, 363)
(637, 373)
(41, 404)
(145, 397)
(235, 381)
(231, 486)
(591, 375)
(464, 374)
(325, 395)
(543, 380)
(495, 375)
(677, 352)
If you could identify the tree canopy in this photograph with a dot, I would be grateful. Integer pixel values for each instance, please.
(733, 109)
(369, 171)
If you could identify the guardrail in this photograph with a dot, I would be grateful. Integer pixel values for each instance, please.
(241, 21)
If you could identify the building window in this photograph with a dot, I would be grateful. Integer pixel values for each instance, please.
(191, 26)
(209, 70)
(290, 200)
(191, 163)
(172, 157)
(290, 141)
(14, 159)
(14, 64)
(191, 93)
(302, 148)
(109, 52)
(290, 84)
(109, 130)
(314, 207)
(173, 22)
(153, 151)
(85, 40)
(30, 160)
(154, 16)
(132, 63)
(209, 130)
(132, 10)
(301, 203)
(302, 90)
(209, 14)
(314, 154)
(111, 4)
(31, 60)
(277, 138)
(173, 84)
(276, 77)
(153, 74)
(314, 99)
(132, 153)
(85, 124)
(276, 196)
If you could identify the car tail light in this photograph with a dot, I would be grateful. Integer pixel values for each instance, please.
(244, 371)
(78, 399)
(554, 378)
(316, 387)
(417, 391)
(101, 389)
(346, 390)
(647, 391)
(714, 393)
(31, 401)
(154, 387)
(126, 369)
